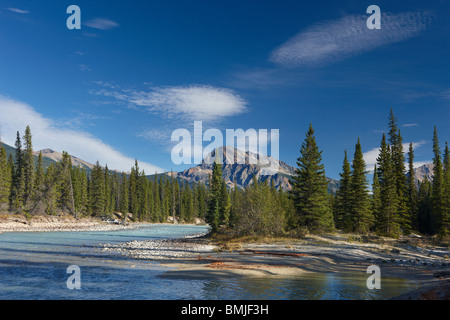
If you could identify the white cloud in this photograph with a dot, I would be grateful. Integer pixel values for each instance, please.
(331, 41)
(17, 115)
(410, 125)
(84, 67)
(196, 102)
(101, 24)
(16, 10)
(370, 157)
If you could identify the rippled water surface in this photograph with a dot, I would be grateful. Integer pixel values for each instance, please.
(33, 265)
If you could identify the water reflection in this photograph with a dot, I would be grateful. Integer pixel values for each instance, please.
(33, 266)
(311, 286)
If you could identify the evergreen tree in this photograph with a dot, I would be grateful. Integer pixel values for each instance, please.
(39, 176)
(412, 188)
(107, 190)
(424, 208)
(51, 190)
(143, 213)
(66, 198)
(215, 192)
(124, 204)
(388, 220)
(28, 168)
(309, 188)
(18, 183)
(437, 185)
(80, 190)
(361, 213)
(202, 201)
(445, 228)
(157, 197)
(343, 198)
(225, 204)
(96, 191)
(5, 179)
(376, 196)
(133, 191)
(398, 162)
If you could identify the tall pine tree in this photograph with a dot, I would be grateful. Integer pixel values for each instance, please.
(342, 206)
(388, 221)
(309, 188)
(437, 185)
(412, 188)
(360, 211)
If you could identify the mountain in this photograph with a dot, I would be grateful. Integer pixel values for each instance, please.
(424, 171)
(49, 156)
(232, 171)
(57, 156)
(242, 173)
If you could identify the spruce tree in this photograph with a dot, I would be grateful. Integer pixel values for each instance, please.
(215, 192)
(225, 204)
(96, 191)
(424, 208)
(51, 191)
(18, 183)
(398, 161)
(388, 221)
(5, 179)
(445, 228)
(342, 206)
(124, 204)
(376, 196)
(412, 188)
(437, 185)
(360, 211)
(66, 198)
(28, 168)
(309, 188)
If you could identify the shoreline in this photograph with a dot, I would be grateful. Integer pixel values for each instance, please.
(48, 223)
(199, 258)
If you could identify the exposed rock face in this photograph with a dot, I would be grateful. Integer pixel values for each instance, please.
(57, 156)
(425, 171)
(239, 167)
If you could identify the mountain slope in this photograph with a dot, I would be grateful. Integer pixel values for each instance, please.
(242, 173)
(49, 156)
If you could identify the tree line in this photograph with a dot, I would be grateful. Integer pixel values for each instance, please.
(391, 205)
(62, 188)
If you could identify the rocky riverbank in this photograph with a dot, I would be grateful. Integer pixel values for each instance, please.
(199, 258)
(18, 223)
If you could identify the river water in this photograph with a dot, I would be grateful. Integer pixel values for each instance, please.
(33, 265)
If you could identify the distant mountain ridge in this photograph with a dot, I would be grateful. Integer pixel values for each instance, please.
(57, 156)
(241, 173)
(49, 156)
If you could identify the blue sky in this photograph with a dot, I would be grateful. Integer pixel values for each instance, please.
(116, 89)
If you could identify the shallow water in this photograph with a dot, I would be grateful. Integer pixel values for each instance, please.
(33, 266)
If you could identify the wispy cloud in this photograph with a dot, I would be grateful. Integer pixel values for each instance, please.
(445, 94)
(406, 125)
(16, 10)
(196, 102)
(101, 24)
(331, 41)
(47, 133)
(84, 67)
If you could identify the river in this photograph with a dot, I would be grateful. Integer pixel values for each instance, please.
(33, 266)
